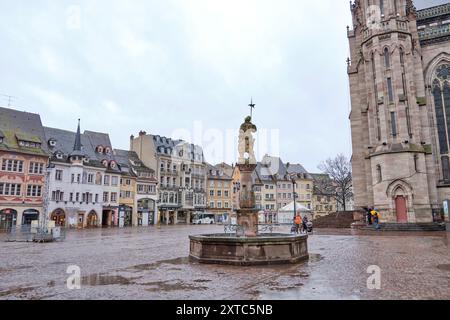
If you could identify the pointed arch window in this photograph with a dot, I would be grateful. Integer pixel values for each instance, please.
(416, 163)
(446, 168)
(402, 57)
(387, 58)
(375, 89)
(441, 96)
(379, 174)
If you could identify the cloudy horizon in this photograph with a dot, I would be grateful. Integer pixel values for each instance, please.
(177, 66)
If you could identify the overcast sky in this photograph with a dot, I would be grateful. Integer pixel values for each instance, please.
(173, 66)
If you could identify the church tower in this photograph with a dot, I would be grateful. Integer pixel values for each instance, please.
(393, 164)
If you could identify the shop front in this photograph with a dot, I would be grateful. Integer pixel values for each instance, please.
(29, 215)
(59, 216)
(8, 219)
(111, 216)
(92, 219)
(125, 218)
(146, 212)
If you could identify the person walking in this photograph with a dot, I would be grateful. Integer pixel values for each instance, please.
(298, 223)
(375, 218)
(369, 215)
(305, 224)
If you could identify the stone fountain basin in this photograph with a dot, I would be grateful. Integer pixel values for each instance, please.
(264, 249)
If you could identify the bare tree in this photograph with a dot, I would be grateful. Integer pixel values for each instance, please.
(340, 183)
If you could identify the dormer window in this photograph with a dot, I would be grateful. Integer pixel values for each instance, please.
(59, 155)
(28, 144)
(108, 150)
(105, 163)
(52, 142)
(113, 164)
(86, 160)
(100, 149)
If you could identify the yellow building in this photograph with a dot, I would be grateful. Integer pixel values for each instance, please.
(127, 197)
(138, 190)
(323, 202)
(219, 190)
(304, 184)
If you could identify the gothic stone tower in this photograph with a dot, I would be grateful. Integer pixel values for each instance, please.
(395, 165)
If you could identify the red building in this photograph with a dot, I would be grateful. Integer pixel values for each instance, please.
(23, 164)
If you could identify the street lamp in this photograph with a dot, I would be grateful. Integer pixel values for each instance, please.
(294, 194)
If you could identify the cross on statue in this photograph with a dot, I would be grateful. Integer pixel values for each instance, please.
(252, 106)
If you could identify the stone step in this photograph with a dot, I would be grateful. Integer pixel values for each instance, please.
(409, 227)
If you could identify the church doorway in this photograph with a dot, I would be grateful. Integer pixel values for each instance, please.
(400, 209)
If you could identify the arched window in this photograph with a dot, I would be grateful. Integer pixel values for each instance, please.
(387, 58)
(402, 57)
(441, 96)
(446, 168)
(416, 163)
(379, 174)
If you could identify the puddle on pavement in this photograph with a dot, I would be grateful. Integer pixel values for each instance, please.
(106, 280)
(444, 267)
(16, 291)
(5, 270)
(315, 257)
(149, 266)
(159, 286)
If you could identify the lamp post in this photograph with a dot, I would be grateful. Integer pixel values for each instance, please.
(295, 197)
(294, 194)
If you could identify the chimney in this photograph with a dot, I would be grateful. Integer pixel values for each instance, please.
(131, 142)
(142, 133)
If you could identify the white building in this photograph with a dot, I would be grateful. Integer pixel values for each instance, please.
(79, 169)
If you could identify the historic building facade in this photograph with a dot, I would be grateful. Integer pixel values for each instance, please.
(275, 184)
(399, 74)
(304, 184)
(181, 173)
(23, 165)
(138, 190)
(323, 201)
(80, 175)
(219, 190)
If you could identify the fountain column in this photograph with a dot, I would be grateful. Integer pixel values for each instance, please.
(247, 214)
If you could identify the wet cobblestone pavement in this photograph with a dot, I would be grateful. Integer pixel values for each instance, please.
(150, 263)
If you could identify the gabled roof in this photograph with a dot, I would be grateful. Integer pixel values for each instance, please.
(65, 142)
(298, 169)
(17, 125)
(169, 147)
(217, 173)
(130, 164)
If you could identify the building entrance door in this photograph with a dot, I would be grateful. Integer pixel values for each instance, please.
(8, 219)
(59, 216)
(92, 220)
(29, 215)
(400, 208)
